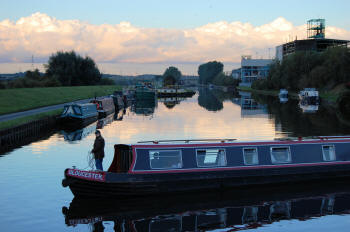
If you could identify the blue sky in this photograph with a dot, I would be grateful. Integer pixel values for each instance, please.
(181, 13)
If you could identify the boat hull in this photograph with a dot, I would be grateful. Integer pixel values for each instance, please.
(125, 185)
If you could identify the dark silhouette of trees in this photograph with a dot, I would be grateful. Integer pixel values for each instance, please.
(171, 76)
(323, 70)
(73, 70)
(208, 71)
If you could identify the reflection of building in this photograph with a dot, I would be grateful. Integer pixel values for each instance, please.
(249, 107)
(253, 69)
(316, 41)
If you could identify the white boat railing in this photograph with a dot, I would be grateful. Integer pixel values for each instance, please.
(186, 140)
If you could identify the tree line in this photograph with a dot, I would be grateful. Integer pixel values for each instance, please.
(304, 69)
(63, 69)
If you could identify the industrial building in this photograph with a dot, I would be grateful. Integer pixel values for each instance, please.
(316, 41)
(252, 70)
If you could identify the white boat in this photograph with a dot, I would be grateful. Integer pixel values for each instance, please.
(283, 95)
(309, 96)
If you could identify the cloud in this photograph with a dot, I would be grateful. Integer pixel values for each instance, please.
(41, 35)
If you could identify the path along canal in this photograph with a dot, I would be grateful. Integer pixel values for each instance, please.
(32, 196)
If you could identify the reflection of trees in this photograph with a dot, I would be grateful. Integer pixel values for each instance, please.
(290, 117)
(208, 100)
(212, 99)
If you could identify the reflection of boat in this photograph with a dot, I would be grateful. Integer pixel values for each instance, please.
(105, 106)
(238, 210)
(283, 95)
(104, 121)
(78, 115)
(306, 108)
(309, 96)
(170, 102)
(165, 167)
(78, 134)
(145, 106)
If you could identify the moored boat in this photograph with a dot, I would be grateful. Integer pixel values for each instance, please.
(78, 115)
(144, 91)
(309, 96)
(174, 92)
(105, 106)
(283, 95)
(164, 167)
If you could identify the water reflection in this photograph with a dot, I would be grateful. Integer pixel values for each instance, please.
(81, 133)
(144, 107)
(305, 121)
(235, 210)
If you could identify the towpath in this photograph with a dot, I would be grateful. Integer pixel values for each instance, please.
(6, 117)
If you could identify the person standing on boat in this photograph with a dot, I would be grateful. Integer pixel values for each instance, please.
(98, 150)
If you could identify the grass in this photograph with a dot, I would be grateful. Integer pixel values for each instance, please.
(265, 92)
(16, 100)
(23, 120)
(330, 96)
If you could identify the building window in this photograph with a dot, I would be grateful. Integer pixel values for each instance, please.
(165, 159)
(280, 155)
(250, 156)
(328, 152)
(211, 158)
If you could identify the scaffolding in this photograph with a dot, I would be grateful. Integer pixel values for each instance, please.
(316, 28)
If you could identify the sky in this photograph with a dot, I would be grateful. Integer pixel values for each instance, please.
(182, 32)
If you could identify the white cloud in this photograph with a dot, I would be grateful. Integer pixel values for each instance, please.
(41, 35)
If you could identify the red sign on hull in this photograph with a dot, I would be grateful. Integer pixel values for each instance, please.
(87, 175)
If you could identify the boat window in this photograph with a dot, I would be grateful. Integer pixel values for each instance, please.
(280, 155)
(165, 159)
(77, 110)
(328, 152)
(250, 156)
(211, 158)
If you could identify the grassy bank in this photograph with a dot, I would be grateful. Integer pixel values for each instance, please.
(15, 100)
(330, 96)
(23, 120)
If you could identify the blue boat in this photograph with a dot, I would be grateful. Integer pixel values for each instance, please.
(78, 115)
(174, 166)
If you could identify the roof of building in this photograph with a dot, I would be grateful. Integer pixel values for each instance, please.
(256, 62)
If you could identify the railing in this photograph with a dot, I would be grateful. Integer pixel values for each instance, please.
(187, 140)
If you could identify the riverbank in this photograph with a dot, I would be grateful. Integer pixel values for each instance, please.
(16, 100)
(329, 96)
(19, 100)
(27, 119)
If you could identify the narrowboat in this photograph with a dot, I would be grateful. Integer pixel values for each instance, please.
(174, 92)
(165, 167)
(309, 96)
(105, 106)
(78, 115)
(144, 91)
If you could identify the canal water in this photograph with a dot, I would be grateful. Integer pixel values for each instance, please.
(33, 199)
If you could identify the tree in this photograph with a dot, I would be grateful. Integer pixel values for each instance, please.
(72, 70)
(171, 76)
(208, 71)
(223, 80)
